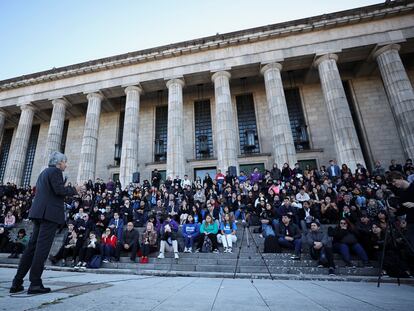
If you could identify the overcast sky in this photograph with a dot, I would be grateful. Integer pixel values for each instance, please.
(37, 35)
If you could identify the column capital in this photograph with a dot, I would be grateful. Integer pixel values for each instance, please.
(175, 80)
(28, 107)
(219, 74)
(386, 48)
(61, 101)
(325, 57)
(94, 95)
(132, 88)
(276, 66)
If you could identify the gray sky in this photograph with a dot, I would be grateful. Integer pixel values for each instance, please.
(38, 35)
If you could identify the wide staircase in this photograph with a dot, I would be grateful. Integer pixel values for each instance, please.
(246, 261)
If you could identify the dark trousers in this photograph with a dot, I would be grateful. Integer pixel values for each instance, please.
(64, 253)
(344, 250)
(36, 252)
(86, 253)
(323, 255)
(212, 237)
(147, 249)
(16, 248)
(107, 251)
(296, 244)
(132, 248)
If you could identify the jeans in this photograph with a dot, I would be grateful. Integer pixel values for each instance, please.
(238, 213)
(189, 241)
(344, 250)
(227, 240)
(107, 251)
(296, 244)
(267, 230)
(323, 255)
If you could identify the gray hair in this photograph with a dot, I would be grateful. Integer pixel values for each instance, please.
(55, 157)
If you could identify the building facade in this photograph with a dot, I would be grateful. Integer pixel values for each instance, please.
(336, 86)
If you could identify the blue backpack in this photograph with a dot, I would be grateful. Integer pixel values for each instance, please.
(95, 262)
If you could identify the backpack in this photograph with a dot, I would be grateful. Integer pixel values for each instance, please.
(207, 245)
(95, 262)
(271, 245)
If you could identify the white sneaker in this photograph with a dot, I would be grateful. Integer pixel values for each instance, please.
(243, 221)
(176, 256)
(185, 250)
(190, 250)
(105, 261)
(229, 250)
(225, 250)
(161, 256)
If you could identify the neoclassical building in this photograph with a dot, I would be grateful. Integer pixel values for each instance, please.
(335, 86)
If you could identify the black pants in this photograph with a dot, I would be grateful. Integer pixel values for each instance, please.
(120, 247)
(36, 252)
(64, 253)
(319, 254)
(16, 248)
(147, 249)
(86, 253)
(213, 238)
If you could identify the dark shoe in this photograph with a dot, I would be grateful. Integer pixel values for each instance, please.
(368, 265)
(132, 259)
(38, 290)
(11, 256)
(295, 257)
(16, 288)
(331, 271)
(52, 260)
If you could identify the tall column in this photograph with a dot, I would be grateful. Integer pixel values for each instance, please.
(2, 123)
(17, 156)
(54, 135)
(87, 162)
(345, 138)
(400, 93)
(129, 153)
(283, 145)
(226, 137)
(175, 135)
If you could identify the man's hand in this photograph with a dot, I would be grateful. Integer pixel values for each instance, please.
(289, 238)
(126, 246)
(317, 245)
(409, 204)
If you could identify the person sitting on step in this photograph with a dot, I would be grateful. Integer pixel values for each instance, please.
(68, 248)
(108, 245)
(227, 235)
(148, 242)
(191, 233)
(320, 247)
(128, 243)
(289, 236)
(168, 242)
(208, 229)
(18, 243)
(90, 248)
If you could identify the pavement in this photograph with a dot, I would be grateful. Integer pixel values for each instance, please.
(90, 291)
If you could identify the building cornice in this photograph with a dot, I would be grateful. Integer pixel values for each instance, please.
(325, 21)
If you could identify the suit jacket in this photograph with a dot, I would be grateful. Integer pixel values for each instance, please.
(48, 203)
(337, 171)
(130, 237)
(118, 230)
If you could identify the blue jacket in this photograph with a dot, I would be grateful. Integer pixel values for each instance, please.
(117, 230)
(190, 230)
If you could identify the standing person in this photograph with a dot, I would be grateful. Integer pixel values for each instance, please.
(47, 213)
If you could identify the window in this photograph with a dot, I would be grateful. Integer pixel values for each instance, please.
(297, 120)
(4, 151)
(248, 168)
(201, 172)
(311, 163)
(203, 130)
(30, 154)
(64, 136)
(115, 177)
(161, 128)
(249, 142)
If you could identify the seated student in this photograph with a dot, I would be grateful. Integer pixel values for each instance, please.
(4, 239)
(9, 220)
(148, 242)
(306, 215)
(266, 218)
(168, 242)
(227, 235)
(289, 236)
(68, 248)
(225, 209)
(89, 248)
(190, 232)
(129, 242)
(117, 225)
(208, 229)
(320, 246)
(18, 244)
(108, 245)
(171, 222)
(345, 240)
(240, 209)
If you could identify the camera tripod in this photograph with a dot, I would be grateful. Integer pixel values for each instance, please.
(390, 231)
(246, 227)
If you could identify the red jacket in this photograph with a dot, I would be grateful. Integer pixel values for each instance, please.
(111, 240)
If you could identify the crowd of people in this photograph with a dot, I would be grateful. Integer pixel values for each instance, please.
(290, 207)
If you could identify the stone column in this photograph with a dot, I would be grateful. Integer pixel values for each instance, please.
(87, 161)
(226, 134)
(54, 135)
(129, 154)
(175, 136)
(400, 93)
(18, 150)
(345, 138)
(2, 123)
(283, 145)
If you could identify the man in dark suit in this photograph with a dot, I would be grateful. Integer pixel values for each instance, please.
(334, 171)
(47, 213)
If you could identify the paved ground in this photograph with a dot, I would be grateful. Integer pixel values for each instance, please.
(84, 291)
